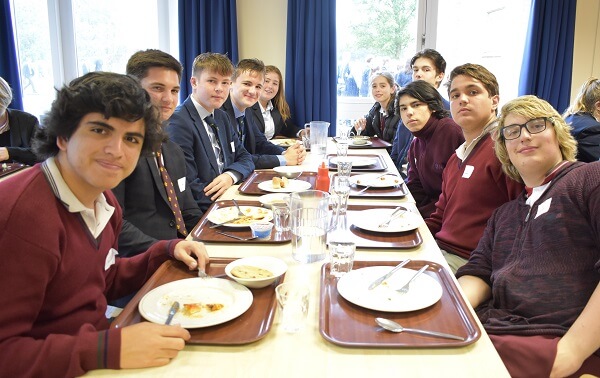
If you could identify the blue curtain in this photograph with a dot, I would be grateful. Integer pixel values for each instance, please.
(548, 59)
(205, 26)
(311, 61)
(9, 65)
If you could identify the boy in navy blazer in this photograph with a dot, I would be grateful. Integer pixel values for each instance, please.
(214, 155)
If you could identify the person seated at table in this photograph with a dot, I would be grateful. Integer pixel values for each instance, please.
(60, 225)
(382, 119)
(271, 111)
(473, 184)
(248, 78)
(16, 130)
(534, 276)
(215, 157)
(156, 201)
(436, 138)
(427, 65)
(584, 118)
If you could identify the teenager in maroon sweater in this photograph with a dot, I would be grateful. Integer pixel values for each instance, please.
(534, 277)
(473, 184)
(436, 138)
(59, 245)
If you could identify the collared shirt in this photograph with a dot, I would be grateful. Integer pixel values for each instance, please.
(213, 140)
(95, 219)
(268, 118)
(463, 151)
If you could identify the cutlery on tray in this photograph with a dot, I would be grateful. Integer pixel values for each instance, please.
(172, 311)
(404, 289)
(235, 236)
(378, 281)
(391, 325)
(398, 212)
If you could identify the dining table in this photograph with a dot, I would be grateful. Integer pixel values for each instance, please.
(330, 344)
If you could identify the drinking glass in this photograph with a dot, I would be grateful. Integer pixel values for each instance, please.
(340, 188)
(281, 216)
(342, 257)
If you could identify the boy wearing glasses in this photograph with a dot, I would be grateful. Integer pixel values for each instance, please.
(473, 184)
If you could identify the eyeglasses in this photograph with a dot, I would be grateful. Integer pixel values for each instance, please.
(533, 126)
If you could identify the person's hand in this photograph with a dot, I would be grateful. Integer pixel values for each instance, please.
(567, 360)
(3, 154)
(186, 248)
(147, 344)
(295, 154)
(218, 186)
(360, 125)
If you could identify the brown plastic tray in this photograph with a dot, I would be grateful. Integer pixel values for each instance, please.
(249, 327)
(375, 143)
(11, 168)
(380, 164)
(368, 239)
(393, 192)
(349, 325)
(250, 186)
(203, 232)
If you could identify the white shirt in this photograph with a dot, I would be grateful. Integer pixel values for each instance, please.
(269, 122)
(95, 219)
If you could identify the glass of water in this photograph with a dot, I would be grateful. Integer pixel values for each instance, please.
(342, 257)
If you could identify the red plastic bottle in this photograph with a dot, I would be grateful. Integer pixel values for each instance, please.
(322, 178)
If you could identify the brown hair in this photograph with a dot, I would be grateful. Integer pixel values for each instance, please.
(249, 65)
(476, 71)
(279, 100)
(215, 62)
(588, 95)
(140, 62)
(532, 107)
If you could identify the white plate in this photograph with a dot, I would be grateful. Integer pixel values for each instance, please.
(226, 213)
(354, 287)
(284, 142)
(376, 180)
(367, 143)
(236, 299)
(267, 199)
(357, 161)
(371, 219)
(292, 186)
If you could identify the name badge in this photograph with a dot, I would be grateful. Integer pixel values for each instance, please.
(181, 183)
(232, 147)
(543, 207)
(110, 258)
(468, 171)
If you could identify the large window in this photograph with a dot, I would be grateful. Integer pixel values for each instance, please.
(59, 40)
(383, 34)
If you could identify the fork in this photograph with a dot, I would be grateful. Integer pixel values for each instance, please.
(404, 289)
(202, 273)
(397, 213)
(240, 212)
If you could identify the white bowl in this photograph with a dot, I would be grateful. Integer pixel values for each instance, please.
(289, 171)
(276, 266)
(267, 200)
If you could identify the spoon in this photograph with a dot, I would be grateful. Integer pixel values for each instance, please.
(391, 325)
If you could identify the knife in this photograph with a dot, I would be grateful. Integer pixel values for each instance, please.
(378, 281)
(227, 221)
(172, 311)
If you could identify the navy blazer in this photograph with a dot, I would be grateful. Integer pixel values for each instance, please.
(263, 152)
(22, 128)
(187, 130)
(147, 214)
(282, 128)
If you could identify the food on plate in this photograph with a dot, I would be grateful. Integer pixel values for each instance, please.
(248, 271)
(197, 309)
(280, 182)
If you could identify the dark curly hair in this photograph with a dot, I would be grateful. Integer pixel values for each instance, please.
(111, 94)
